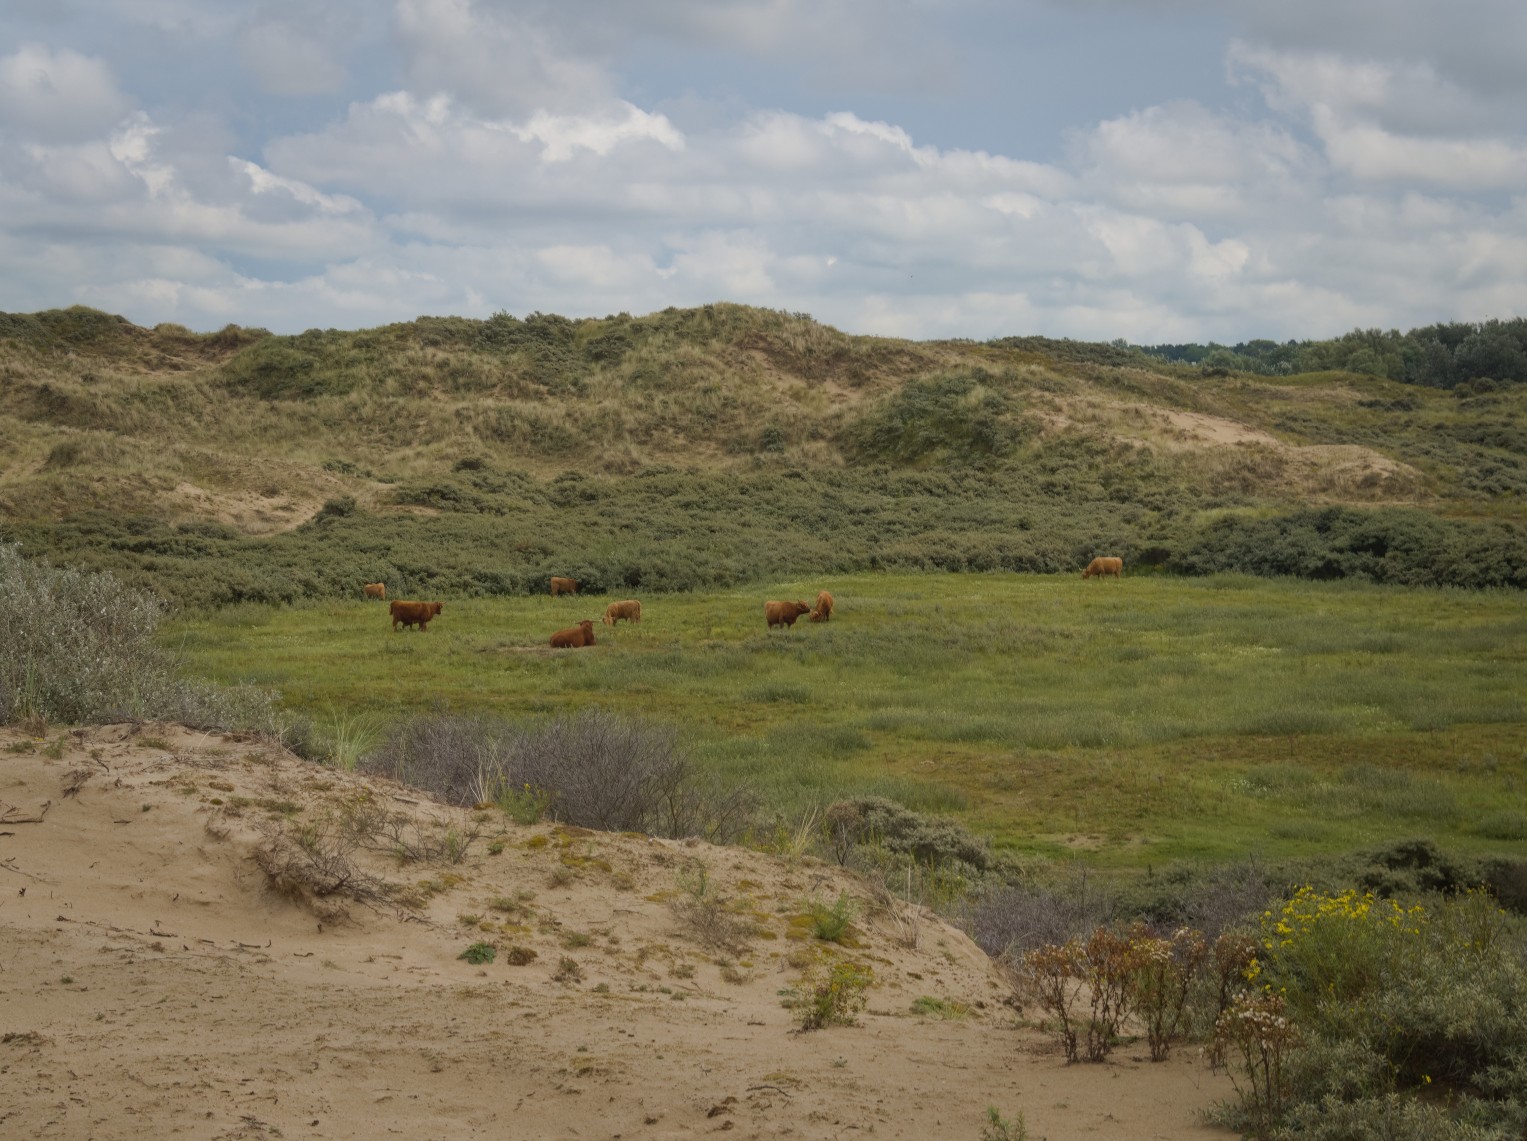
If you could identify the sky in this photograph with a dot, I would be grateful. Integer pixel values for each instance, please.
(1154, 170)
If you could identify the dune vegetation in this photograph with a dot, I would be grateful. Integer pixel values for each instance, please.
(1301, 707)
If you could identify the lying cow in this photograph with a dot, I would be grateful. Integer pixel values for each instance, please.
(630, 610)
(823, 612)
(784, 613)
(1103, 566)
(414, 613)
(375, 590)
(574, 636)
(563, 586)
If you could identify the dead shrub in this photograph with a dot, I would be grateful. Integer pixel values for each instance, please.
(601, 771)
(314, 864)
(706, 916)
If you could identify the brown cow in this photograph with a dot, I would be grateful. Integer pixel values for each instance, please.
(1102, 566)
(414, 613)
(574, 636)
(563, 586)
(784, 613)
(823, 612)
(375, 590)
(630, 610)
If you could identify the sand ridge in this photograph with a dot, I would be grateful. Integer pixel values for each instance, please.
(158, 978)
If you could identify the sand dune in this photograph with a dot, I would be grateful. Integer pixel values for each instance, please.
(206, 936)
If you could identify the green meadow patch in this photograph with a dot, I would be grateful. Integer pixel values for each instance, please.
(1133, 722)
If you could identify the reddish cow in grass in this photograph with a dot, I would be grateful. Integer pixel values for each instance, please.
(630, 610)
(563, 586)
(414, 613)
(1104, 566)
(574, 636)
(784, 613)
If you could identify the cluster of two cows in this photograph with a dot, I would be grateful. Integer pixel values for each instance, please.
(785, 613)
(583, 633)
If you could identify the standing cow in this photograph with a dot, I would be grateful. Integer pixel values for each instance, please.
(414, 613)
(563, 586)
(823, 612)
(375, 590)
(630, 610)
(784, 613)
(1104, 566)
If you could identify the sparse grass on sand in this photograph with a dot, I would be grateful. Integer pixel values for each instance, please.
(1133, 722)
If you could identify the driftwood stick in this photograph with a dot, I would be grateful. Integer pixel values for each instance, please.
(8, 813)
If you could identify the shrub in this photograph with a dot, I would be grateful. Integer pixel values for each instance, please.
(831, 924)
(1405, 996)
(1013, 920)
(479, 953)
(1257, 1035)
(1052, 973)
(705, 914)
(831, 994)
(79, 647)
(1165, 970)
(998, 1128)
(593, 770)
(955, 418)
(928, 840)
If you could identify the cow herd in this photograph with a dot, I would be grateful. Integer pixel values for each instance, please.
(775, 613)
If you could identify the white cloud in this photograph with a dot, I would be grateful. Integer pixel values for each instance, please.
(561, 136)
(1384, 121)
(1182, 160)
(495, 61)
(60, 96)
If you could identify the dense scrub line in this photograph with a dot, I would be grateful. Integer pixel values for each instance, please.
(669, 531)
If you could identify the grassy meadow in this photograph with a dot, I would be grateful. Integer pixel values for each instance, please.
(1129, 723)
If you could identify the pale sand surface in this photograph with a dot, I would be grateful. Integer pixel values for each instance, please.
(154, 984)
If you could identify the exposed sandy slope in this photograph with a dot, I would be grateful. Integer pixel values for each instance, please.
(154, 984)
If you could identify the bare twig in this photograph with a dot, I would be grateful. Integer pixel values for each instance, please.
(8, 813)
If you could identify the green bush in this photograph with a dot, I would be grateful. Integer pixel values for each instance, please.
(876, 820)
(962, 419)
(832, 993)
(1391, 999)
(1390, 545)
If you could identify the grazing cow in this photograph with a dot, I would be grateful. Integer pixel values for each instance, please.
(784, 613)
(563, 586)
(574, 636)
(1102, 566)
(375, 590)
(823, 612)
(414, 613)
(630, 610)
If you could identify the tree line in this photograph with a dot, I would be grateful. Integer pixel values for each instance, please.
(1454, 355)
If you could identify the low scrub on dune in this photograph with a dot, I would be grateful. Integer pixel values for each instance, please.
(78, 647)
(495, 532)
(713, 446)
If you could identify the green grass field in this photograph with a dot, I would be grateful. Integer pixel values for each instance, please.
(1129, 722)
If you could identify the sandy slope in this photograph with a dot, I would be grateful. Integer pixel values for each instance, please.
(153, 983)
